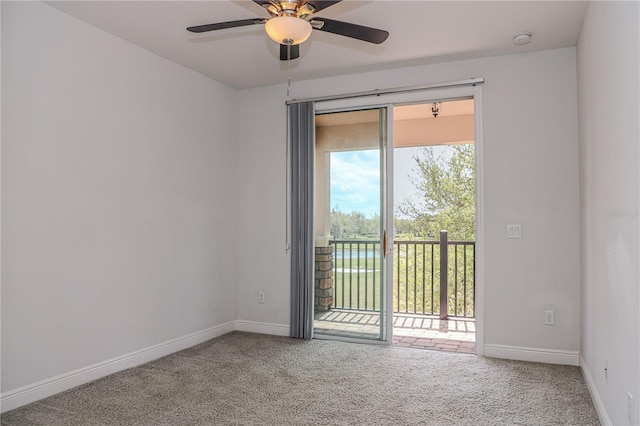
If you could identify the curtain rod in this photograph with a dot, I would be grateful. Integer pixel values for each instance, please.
(377, 92)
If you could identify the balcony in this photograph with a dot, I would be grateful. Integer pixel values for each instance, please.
(431, 308)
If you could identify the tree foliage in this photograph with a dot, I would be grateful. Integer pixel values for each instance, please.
(446, 195)
(354, 225)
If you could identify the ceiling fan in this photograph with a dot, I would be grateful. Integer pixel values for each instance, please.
(292, 22)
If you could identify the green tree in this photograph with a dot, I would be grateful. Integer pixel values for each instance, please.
(446, 188)
(341, 225)
(355, 225)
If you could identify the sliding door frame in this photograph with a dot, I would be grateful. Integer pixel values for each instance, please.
(429, 95)
(385, 132)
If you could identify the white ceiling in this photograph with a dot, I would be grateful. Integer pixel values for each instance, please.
(421, 32)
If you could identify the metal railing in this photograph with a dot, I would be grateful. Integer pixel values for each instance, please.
(356, 274)
(417, 276)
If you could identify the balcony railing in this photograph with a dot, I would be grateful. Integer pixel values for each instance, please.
(417, 277)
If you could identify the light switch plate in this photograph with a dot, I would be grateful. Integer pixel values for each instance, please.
(514, 231)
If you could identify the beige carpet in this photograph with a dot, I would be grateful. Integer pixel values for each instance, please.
(249, 379)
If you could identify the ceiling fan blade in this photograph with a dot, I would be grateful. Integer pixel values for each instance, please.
(318, 5)
(289, 52)
(360, 32)
(224, 25)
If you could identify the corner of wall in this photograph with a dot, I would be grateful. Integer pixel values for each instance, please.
(601, 409)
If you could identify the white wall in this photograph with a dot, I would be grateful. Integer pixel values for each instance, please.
(261, 215)
(117, 196)
(531, 178)
(609, 111)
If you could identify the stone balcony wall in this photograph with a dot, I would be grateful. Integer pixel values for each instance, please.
(323, 278)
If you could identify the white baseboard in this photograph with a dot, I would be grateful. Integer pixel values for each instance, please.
(262, 328)
(44, 388)
(548, 356)
(595, 395)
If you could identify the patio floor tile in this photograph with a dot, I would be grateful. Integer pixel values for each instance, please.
(410, 330)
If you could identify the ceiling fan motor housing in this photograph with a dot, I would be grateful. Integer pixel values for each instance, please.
(289, 8)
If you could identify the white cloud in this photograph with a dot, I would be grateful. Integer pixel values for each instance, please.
(355, 181)
(355, 178)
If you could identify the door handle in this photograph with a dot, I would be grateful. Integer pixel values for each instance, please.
(384, 244)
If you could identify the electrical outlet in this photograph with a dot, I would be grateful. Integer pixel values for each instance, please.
(630, 407)
(549, 318)
(261, 297)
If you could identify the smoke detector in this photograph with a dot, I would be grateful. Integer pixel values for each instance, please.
(521, 38)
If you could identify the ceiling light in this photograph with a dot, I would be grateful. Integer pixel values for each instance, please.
(521, 38)
(288, 30)
(435, 109)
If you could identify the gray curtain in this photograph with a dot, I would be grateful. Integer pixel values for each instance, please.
(302, 139)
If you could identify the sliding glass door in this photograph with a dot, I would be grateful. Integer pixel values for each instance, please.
(350, 224)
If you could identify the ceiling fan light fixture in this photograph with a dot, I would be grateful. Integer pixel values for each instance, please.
(289, 30)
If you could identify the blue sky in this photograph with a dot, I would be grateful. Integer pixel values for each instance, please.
(355, 179)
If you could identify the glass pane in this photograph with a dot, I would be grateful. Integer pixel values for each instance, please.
(348, 227)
